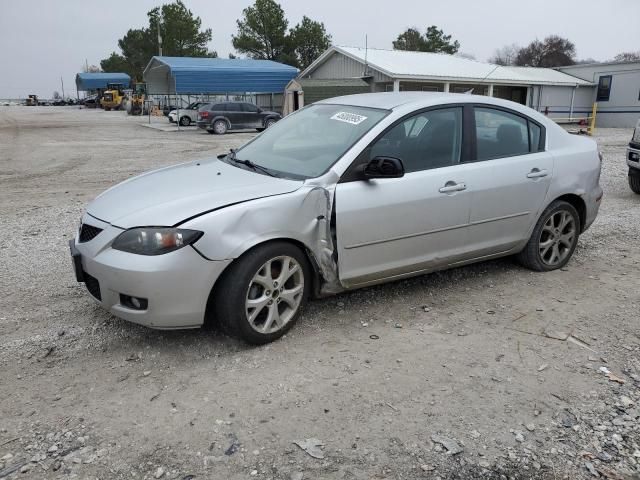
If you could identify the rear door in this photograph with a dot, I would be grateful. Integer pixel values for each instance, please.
(395, 226)
(509, 180)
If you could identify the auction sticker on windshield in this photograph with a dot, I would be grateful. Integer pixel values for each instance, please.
(352, 118)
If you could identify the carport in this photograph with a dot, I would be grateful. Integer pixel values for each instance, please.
(87, 82)
(204, 77)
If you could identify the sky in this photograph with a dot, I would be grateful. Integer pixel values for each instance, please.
(42, 41)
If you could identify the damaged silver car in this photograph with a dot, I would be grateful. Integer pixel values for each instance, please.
(342, 194)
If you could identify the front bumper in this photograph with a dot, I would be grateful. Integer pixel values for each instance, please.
(176, 285)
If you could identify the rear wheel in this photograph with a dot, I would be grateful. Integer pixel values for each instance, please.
(634, 183)
(554, 238)
(262, 293)
(185, 121)
(219, 127)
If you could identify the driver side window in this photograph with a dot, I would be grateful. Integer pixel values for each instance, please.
(424, 141)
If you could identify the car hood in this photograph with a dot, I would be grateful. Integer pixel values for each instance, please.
(171, 195)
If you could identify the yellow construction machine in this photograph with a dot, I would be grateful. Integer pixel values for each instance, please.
(136, 99)
(113, 97)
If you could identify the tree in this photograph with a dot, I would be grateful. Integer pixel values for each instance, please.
(56, 95)
(411, 39)
(308, 39)
(115, 63)
(553, 51)
(628, 57)
(181, 36)
(262, 32)
(434, 40)
(505, 55)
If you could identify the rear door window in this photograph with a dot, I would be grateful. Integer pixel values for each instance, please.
(500, 134)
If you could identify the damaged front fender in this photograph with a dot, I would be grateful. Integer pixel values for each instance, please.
(303, 216)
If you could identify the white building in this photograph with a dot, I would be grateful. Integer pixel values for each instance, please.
(617, 91)
(547, 90)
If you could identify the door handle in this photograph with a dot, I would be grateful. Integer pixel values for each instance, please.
(537, 173)
(451, 186)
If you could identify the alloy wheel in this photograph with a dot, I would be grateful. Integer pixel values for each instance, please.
(274, 294)
(557, 238)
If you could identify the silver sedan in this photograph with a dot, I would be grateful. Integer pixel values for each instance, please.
(345, 193)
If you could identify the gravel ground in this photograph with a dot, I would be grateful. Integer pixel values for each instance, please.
(486, 371)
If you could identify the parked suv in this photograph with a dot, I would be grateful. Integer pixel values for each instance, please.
(219, 117)
(633, 160)
(188, 115)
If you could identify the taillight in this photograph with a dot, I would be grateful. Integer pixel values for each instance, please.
(203, 114)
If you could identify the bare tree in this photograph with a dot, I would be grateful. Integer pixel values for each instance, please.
(506, 55)
(56, 95)
(91, 69)
(628, 57)
(553, 51)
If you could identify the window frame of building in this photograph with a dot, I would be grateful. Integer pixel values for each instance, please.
(604, 93)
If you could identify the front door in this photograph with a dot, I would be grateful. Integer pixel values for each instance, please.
(391, 227)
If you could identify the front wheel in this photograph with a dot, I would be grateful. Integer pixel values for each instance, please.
(261, 295)
(634, 183)
(269, 123)
(554, 238)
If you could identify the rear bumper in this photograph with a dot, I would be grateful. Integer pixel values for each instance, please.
(203, 125)
(176, 285)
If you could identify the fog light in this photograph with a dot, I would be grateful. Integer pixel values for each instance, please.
(634, 157)
(134, 303)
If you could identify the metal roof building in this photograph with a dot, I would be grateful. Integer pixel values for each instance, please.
(99, 81)
(398, 70)
(197, 76)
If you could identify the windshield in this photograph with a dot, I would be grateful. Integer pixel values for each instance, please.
(306, 143)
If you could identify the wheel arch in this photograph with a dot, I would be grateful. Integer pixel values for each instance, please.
(221, 117)
(578, 203)
(316, 274)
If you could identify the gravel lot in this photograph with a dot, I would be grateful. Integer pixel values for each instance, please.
(487, 371)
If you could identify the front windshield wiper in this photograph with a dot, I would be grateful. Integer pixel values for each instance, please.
(254, 166)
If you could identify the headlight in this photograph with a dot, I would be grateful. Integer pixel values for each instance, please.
(154, 241)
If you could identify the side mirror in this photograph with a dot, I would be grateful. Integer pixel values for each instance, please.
(384, 167)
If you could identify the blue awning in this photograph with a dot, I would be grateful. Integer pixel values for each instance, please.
(94, 81)
(217, 75)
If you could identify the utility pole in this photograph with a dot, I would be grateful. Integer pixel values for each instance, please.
(62, 82)
(160, 34)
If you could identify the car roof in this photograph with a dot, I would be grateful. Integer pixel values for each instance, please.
(393, 100)
(408, 101)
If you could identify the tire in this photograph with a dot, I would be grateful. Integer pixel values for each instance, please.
(185, 121)
(558, 228)
(260, 129)
(107, 109)
(269, 123)
(219, 127)
(634, 183)
(249, 280)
